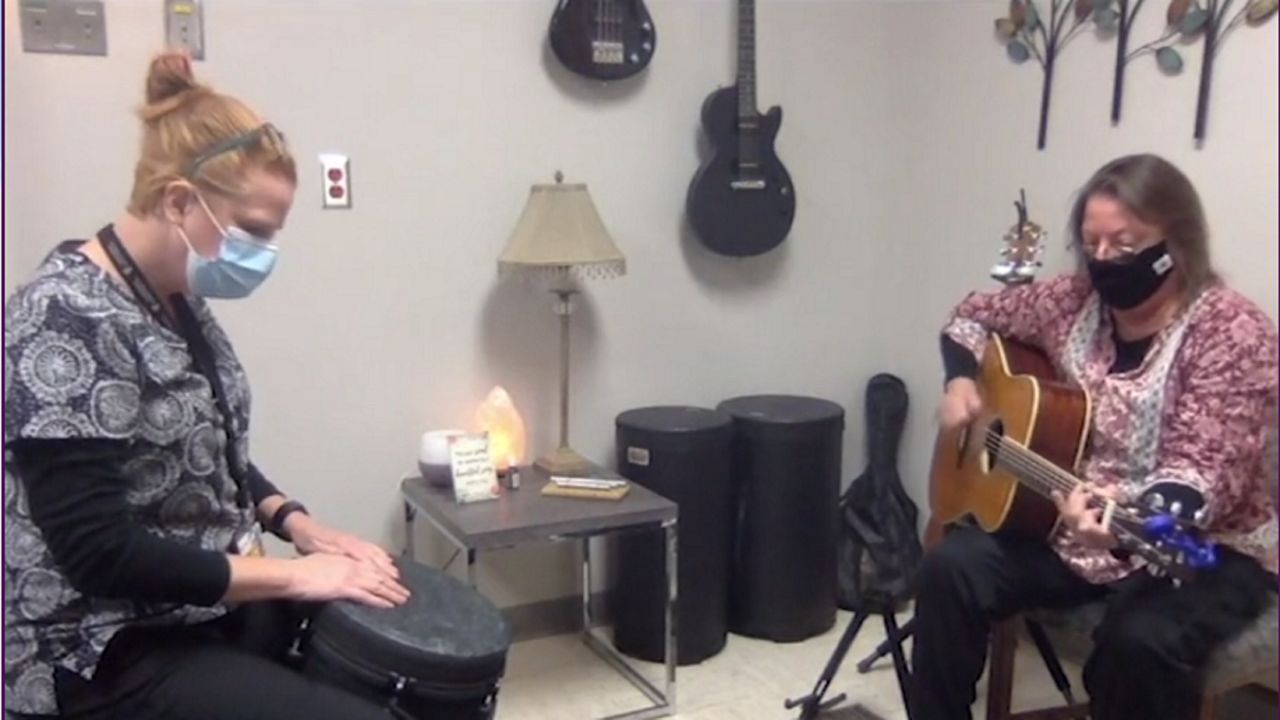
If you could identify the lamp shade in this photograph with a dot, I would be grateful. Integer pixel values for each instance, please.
(560, 233)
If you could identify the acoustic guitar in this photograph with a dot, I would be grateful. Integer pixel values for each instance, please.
(741, 201)
(1003, 468)
(603, 39)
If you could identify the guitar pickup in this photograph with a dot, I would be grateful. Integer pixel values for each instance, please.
(607, 53)
(757, 184)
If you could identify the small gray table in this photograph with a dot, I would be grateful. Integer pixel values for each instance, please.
(525, 516)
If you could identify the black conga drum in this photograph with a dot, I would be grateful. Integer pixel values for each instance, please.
(681, 453)
(786, 475)
(440, 656)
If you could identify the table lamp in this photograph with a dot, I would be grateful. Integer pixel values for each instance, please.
(558, 239)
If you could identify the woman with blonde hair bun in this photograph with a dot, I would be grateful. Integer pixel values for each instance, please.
(135, 581)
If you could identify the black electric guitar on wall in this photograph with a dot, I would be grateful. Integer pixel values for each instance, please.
(741, 201)
(603, 39)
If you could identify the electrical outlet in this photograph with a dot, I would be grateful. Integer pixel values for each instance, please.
(74, 27)
(184, 26)
(336, 181)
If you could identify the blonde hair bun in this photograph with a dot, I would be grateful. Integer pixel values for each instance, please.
(170, 81)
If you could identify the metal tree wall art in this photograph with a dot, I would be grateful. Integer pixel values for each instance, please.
(1118, 16)
(1027, 34)
(1211, 19)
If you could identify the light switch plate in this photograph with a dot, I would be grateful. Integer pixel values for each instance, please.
(184, 26)
(74, 27)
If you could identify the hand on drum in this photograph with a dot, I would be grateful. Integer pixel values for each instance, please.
(311, 537)
(324, 576)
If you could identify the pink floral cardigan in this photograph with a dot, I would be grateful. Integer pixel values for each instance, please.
(1200, 410)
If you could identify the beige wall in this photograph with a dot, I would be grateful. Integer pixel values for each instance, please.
(907, 131)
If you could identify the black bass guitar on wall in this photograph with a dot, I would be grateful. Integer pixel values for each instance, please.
(603, 39)
(741, 201)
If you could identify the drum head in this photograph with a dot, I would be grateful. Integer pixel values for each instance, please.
(446, 633)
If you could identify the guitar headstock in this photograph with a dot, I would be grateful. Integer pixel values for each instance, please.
(1023, 244)
(1170, 544)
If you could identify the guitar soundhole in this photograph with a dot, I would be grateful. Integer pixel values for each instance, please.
(991, 452)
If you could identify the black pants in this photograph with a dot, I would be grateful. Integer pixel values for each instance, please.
(229, 669)
(1148, 652)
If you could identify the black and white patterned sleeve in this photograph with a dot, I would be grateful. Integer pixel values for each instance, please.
(73, 374)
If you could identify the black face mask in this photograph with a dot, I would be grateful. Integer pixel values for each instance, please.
(1125, 284)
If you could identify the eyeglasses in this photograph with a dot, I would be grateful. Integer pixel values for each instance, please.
(1122, 251)
(235, 142)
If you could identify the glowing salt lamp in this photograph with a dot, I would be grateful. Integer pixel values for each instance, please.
(498, 415)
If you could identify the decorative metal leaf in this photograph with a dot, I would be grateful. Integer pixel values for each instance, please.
(1033, 16)
(1018, 12)
(1178, 10)
(1006, 29)
(1107, 18)
(1169, 60)
(1194, 21)
(1083, 8)
(1259, 10)
(1017, 52)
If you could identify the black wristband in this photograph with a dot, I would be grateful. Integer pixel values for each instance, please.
(957, 360)
(287, 508)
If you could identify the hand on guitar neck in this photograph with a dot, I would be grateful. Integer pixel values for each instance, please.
(1087, 519)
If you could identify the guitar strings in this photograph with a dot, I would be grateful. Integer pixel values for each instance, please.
(1029, 463)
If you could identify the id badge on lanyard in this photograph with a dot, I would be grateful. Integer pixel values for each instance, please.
(249, 542)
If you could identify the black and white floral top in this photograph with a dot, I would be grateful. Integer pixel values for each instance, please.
(84, 361)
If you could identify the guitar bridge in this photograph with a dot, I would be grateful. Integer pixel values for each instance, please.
(750, 184)
(605, 52)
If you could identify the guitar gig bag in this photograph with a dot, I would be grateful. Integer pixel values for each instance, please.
(878, 550)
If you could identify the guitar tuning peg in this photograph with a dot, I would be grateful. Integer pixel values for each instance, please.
(1155, 501)
(1175, 508)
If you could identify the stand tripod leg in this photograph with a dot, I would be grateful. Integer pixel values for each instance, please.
(886, 647)
(899, 659)
(811, 704)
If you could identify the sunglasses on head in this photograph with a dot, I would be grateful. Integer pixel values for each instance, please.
(235, 142)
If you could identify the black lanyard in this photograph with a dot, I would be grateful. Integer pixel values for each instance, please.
(188, 326)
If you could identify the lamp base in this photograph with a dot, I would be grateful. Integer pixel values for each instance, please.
(564, 461)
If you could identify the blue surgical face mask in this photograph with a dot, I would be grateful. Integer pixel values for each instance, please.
(243, 262)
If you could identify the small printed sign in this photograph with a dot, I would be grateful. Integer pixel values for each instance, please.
(474, 477)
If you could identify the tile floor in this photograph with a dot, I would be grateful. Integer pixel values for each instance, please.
(558, 678)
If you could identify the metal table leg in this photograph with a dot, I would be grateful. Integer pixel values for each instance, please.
(664, 702)
(673, 594)
(410, 514)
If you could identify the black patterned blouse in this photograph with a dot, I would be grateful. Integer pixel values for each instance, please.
(85, 362)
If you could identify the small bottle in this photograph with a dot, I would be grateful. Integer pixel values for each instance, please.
(513, 477)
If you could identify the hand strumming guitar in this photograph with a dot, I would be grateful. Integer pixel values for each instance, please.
(961, 403)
